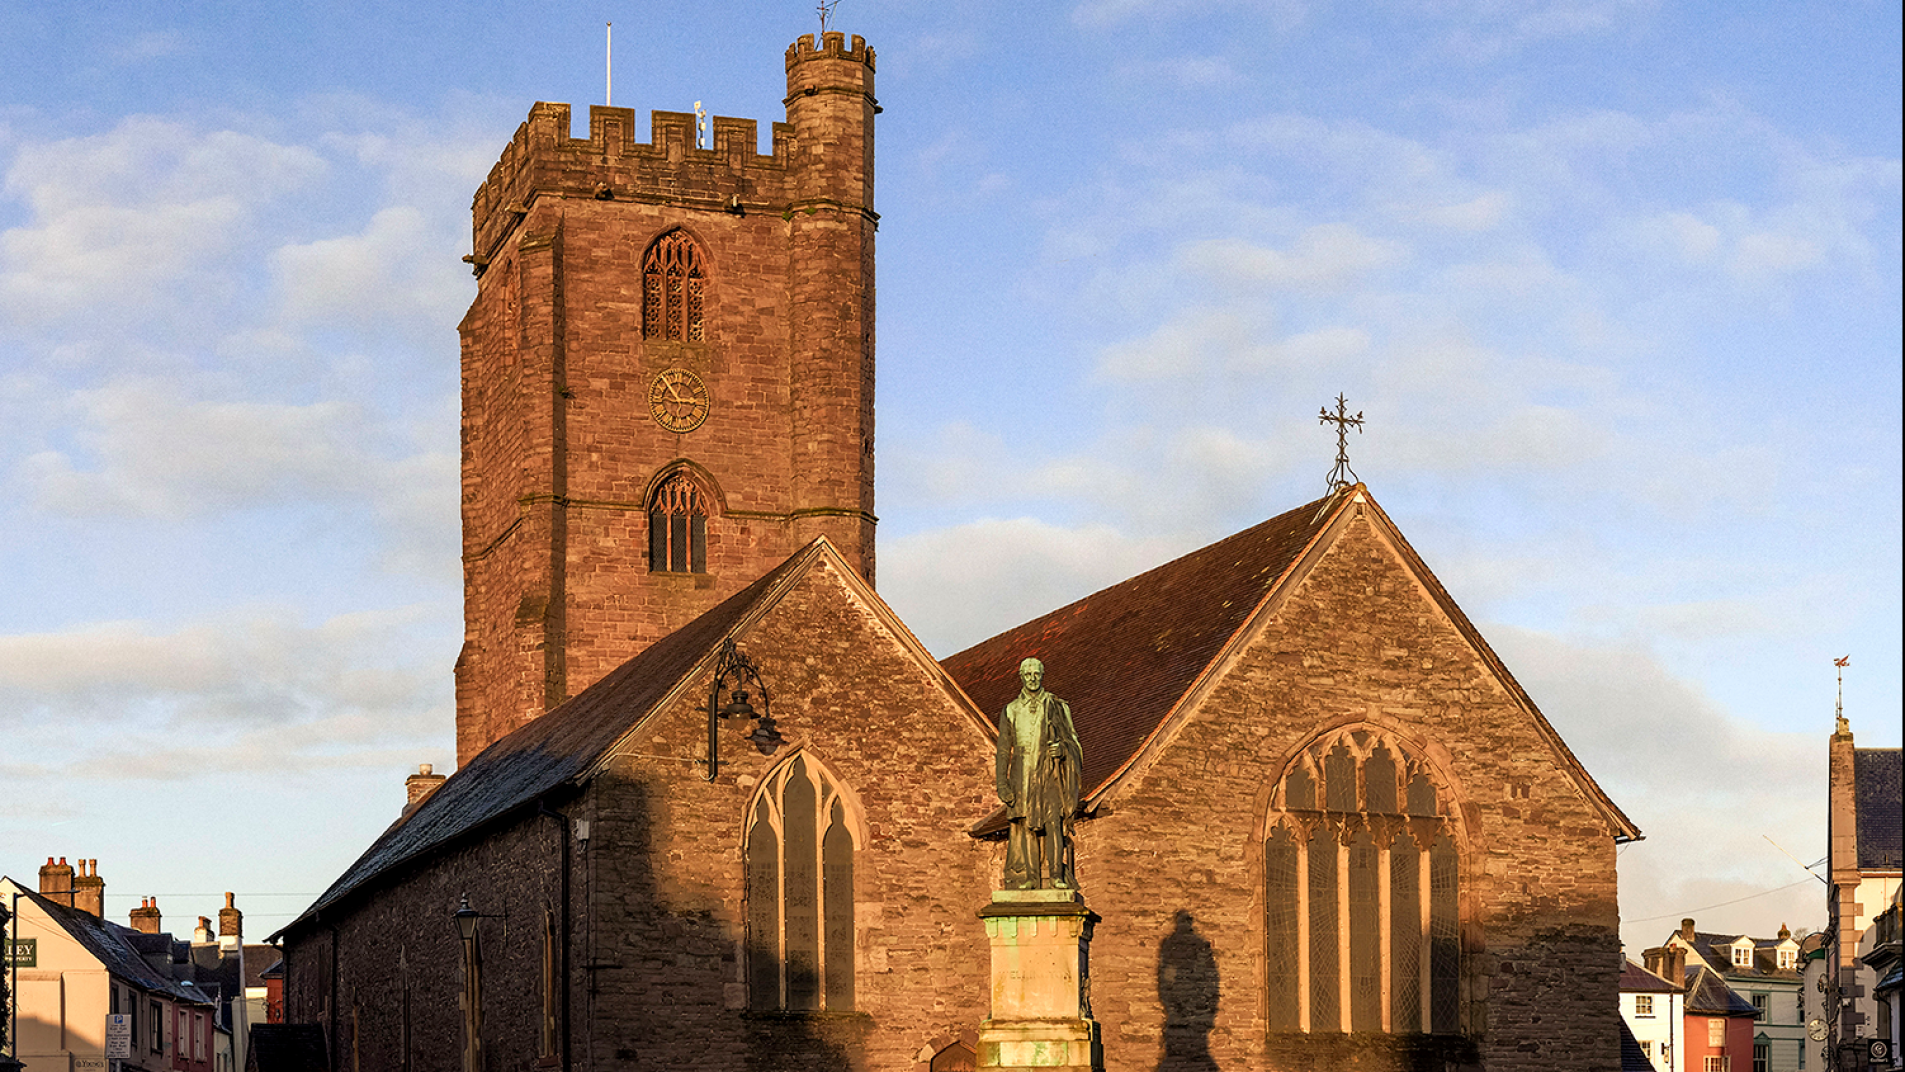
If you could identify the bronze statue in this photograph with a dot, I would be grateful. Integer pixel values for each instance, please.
(1038, 772)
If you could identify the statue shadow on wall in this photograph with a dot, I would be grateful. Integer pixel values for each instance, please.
(1188, 989)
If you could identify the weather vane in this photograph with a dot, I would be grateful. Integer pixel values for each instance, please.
(825, 7)
(1342, 475)
(1839, 709)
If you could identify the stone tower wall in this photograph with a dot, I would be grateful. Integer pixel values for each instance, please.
(560, 451)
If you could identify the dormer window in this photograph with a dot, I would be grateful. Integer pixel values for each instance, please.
(1742, 956)
(1786, 959)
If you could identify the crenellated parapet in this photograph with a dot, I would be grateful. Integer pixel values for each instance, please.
(833, 46)
(544, 160)
(830, 105)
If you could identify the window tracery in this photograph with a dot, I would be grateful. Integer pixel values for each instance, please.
(674, 279)
(799, 853)
(678, 525)
(1361, 894)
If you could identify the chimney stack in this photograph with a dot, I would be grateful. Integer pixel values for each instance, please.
(202, 934)
(231, 925)
(56, 882)
(89, 890)
(145, 918)
(1686, 930)
(419, 786)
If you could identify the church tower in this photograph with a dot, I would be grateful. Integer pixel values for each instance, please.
(667, 378)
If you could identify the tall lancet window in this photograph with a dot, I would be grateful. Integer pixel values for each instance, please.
(800, 931)
(1362, 884)
(678, 525)
(673, 281)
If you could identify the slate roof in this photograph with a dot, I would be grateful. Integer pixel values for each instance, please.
(1875, 779)
(1632, 1059)
(1126, 657)
(1638, 980)
(1717, 949)
(113, 946)
(1708, 995)
(259, 959)
(548, 753)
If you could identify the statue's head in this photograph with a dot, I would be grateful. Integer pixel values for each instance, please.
(1031, 673)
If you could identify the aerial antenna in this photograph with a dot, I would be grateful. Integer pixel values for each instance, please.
(825, 8)
(608, 95)
(1839, 708)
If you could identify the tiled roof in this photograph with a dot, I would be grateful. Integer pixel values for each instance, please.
(1875, 777)
(1708, 995)
(546, 753)
(257, 959)
(1124, 656)
(1638, 980)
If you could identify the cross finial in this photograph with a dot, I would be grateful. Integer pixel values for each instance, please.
(825, 8)
(1342, 475)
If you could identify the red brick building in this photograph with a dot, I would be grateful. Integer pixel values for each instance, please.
(1324, 826)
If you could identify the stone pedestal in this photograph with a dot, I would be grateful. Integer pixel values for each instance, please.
(1041, 984)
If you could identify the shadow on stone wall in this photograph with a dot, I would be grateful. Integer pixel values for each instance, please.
(1188, 989)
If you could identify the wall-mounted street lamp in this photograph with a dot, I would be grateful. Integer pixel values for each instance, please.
(734, 671)
(466, 917)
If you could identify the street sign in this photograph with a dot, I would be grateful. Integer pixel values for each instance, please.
(118, 1035)
(23, 952)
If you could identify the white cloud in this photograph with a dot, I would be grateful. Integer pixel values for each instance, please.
(249, 689)
(1009, 570)
(135, 212)
(1706, 788)
(1327, 257)
(395, 269)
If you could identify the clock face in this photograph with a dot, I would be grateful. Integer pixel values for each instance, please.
(678, 399)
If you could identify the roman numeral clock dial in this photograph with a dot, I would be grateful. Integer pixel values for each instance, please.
(678, 399)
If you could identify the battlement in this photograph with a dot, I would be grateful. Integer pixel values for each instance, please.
(543, 159)
(833, 46)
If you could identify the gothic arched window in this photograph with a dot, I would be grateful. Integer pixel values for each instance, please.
(673, 278)
(678, 526)
(799, 851)
(1361, 893)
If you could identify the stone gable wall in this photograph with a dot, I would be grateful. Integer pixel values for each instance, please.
(1358, 641)
(669, 885)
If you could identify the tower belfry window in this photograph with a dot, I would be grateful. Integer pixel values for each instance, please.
(673, 282)
(678, 526)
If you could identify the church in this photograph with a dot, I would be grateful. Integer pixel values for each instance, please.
(717, 808)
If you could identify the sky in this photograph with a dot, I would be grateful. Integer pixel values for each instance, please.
(1614, 283)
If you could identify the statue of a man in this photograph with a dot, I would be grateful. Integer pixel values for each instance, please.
(1038, 772)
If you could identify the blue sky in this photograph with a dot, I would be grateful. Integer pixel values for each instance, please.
(1615, 284)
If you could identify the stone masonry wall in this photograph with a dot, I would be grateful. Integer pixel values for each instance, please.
(560, 449)
(666, 866)
(1358, 642)
(397, 981)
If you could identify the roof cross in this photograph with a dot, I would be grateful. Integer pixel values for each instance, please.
(1342, 475)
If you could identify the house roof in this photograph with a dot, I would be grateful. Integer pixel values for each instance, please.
(1708, 995)
(1633, 1059)
(1717, 951)
(1876, 784)
(1130, 656)
(1638, 980)
(113, 946)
